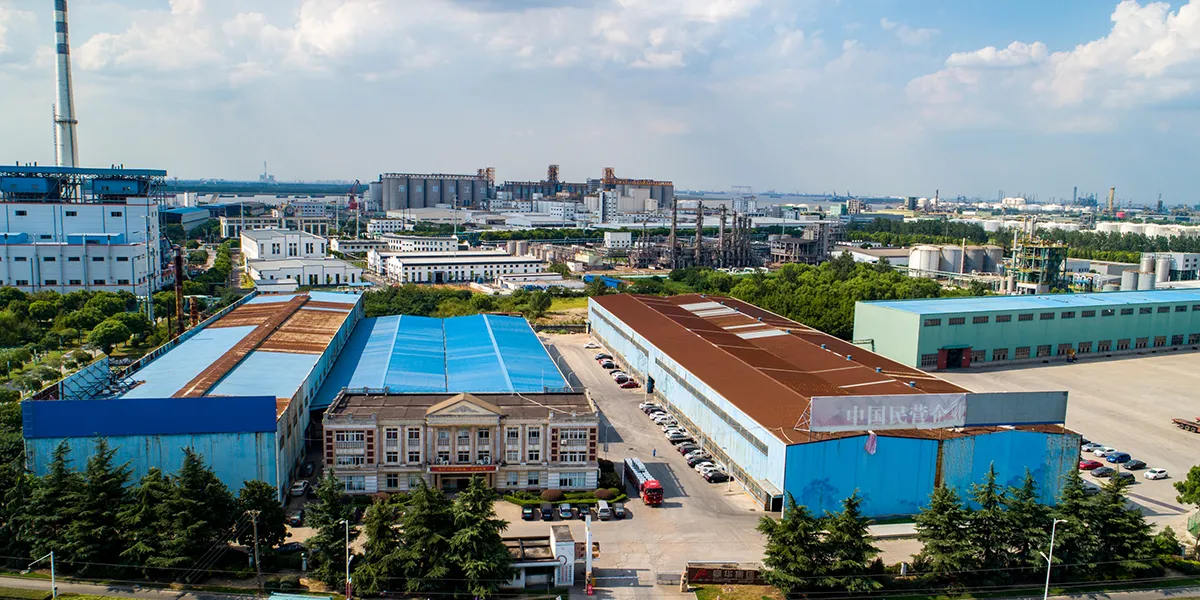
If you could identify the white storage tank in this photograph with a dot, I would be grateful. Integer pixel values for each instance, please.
(1145, 281)
(951, 259)
(1147, 265)
(511, 247)
(922, 259)
(1162, 268)
(522, 248)
(991, 226)
(1152, 230)
(993, 258)
(1129, 280)
(975, 259)
(1137, 228)
(1108, 227)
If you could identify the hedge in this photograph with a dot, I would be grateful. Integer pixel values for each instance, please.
(584, 498)
(8, 593)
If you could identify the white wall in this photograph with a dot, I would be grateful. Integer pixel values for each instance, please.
(268, 244)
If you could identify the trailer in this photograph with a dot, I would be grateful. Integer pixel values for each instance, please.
(1186, 425)
(637, 475)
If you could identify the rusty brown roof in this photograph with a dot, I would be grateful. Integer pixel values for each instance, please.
(769, 366)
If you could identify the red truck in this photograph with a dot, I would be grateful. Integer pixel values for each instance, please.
(647, 486)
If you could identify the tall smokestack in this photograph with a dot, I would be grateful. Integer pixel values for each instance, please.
(671, 243)
(66, 148)
(698, 257)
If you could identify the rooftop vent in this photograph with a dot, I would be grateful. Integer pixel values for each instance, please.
(848, 357)
(823, 347)
(878, 369)
(912, 384)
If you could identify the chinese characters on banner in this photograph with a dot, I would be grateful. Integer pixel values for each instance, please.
(913, 411)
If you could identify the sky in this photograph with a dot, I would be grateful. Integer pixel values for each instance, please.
(889, 97)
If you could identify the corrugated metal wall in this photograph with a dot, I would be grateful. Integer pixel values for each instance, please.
(896, 480)
(1049, 457)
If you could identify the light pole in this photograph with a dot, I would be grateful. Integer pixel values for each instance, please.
(1050, 558)
(53, 585)
(347, 522)
(257, 566)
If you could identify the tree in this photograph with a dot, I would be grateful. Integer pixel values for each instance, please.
(539, 303)
(84, 318)
(1189, 488)
(848, 545)
(426, 526)
(93, 535)
(137, 323)
(327, 548)
(1125, 534)
(107, 303)
(262, 497)
(478, 551)
(43, 311)
(201, 511)
(107, 334)
(1076, 543)
(49, 511)
(942, 528)
(1166, 543)
(988, 524)
(1027, 522)
(144, 519)
(795, 552)
(380, 564)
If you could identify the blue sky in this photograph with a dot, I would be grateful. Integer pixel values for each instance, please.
(867, 96)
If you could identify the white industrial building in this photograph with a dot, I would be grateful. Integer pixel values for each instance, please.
(417, 243)
(356, 246)
(377, 259)
(537, 281)
(457, 267)
(279, 275)
(535, 220)
(382, 226)
(618, 240)
(232, 227)
(275, 243)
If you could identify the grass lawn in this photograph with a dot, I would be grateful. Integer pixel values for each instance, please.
(557, 304)
(737, 592)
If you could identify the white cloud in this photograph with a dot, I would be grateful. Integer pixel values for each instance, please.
(13, 21)
(907, 35)
(1017, 54)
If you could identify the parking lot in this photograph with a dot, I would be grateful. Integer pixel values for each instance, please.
(1124, 403)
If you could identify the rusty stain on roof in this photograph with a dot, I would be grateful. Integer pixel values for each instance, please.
(769, 366)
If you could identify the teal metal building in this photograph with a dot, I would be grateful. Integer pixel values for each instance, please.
(951, 333)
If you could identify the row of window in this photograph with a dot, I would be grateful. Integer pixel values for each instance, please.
(25, 282)
(1067, 314)
(69, 259)
(69, 213)
(1023, 352)
(512, 479)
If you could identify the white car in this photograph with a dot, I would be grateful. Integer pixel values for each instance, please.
(646, 405)
(591, 345)
(674, 430)
(1104, 451)
(1090, 447)
(661, 418)
(694, 453)
(705, 468)
(1156, 474)
(299, 488)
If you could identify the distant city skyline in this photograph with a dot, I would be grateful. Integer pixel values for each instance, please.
(878, 97)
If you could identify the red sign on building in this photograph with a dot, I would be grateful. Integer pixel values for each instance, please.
(463, 469)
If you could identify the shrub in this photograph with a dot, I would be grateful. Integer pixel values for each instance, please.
(603, 494)
(23, 594)
(606, 466)
(524, 495)
(289, 583)
(552, 495)
(272, 584)
(610, 480)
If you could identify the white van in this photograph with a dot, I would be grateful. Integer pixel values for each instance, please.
(603, 511)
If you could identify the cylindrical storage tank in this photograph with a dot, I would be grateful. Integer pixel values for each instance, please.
(975, 259)
(1162, 268)
(933, 260)
(511, 247)
(1111, 287)
(1129, 281)
(463, 192)
(1137, 228)
(918, 260)
(1108, 227)
(951, 259)
(1152, 230)
(375, 193)
(1012, 284)
(1145, 281)
(991, 226)
(994, 257)
(416, 193)
(522, 248)
(1147, 265)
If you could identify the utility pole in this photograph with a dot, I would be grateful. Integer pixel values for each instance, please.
(348, 590)
(257, 565)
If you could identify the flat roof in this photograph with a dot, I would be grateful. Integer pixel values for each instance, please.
(471, 260)
(766, 365)
(50, 170)
(417, 406)
(270, 232)
(284, 263)
(186, 210)
(274, 365)
(934, 306)
(410, 354)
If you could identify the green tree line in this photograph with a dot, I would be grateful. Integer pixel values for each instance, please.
(427, 301)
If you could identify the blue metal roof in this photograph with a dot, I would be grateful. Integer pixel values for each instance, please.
(247, 378)
(409, 354)
(50, 170)
(934, 306)
(147, 416)
(168, 373)
(186, 210)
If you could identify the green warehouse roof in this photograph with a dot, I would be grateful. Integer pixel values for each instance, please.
(937, 306)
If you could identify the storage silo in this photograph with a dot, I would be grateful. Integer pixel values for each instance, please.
(522, 248)
(922, 260)
(1162, 268)
(1145, 281)
(991, 226)
(1137, 228)
(433, 193)
(511, 247)
(465, 195)
(1108, 227)
(993, 258)
(402, 198)
(1111, 287)
(951, 259)
(975, 259)
(1147, 265)
(416, 193)
(1129, 280)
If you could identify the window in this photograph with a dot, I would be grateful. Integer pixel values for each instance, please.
(979, 320)
(1046, 317)
(572, 480)
(122, 282)
(978, 356)
(414, 482)
(464, 437)
(1043, 350)
(97, 282)
(464, 456)
(20, 258)
(512, 456)
(71, 213)
(1177, 340)
(391, 481)
(1164, 309)
(1068, 314)
(414, 456)
(1123, 344)
(1064, 349)
(72, 259)
(391, 437)
(932, 322)
(572, 457)
(1160, 341)
(1145, 310)
(391, 457)
(21, 213)
(957, 320)
(414, 436)
(443, 457)
(350, 460)
(511, 479)
(512, 436)
(929, 360)
(1087, 314)
(75, 282)
(1025, 317)
(49, 259)
(484, 436)
(122, 259)
(1085, 347)
(354, 483)
(1181, 308)
(533, 479)
(535, 455)
(350, 439)
(999, 354)
(1140, 343)
(1104, 346)
(443, 437)
(1003, 318)
(97, 259)
(1126, 311)
(115, 213)
(22, 282)
(1196, 307)
(535, 437)
(1107, 312)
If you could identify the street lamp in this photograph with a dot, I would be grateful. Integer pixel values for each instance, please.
(1050, 557)
(347, 522)
(53, 586)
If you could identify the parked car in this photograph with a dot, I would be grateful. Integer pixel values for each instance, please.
(687, 447)
(1156, 474)
(715, 477)
(654, 412)
(645, 406)
(1124, 476)
(1103, 472)
(704, 465)
(300, 488)
(290, 548)
(296, 518)
(696, 454)
(564, 511)
(616, 373)
(630, 384)
(607, 364)
(1133, 465)
(1088, 465)
(1090, 490)
(1105, 451)
(698, 459)
(547, 511)
(679, 439)
(1118, 457)
(591, 345)
(618, 510)
(661, 416)
(602, 356)
(669, 427)
(621, 378)
(308, 469)
(527, 513)
(1089, 447)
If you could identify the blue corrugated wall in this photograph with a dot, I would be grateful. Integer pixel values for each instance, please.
(234, 457)
(1049, 457)
(896, 480)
